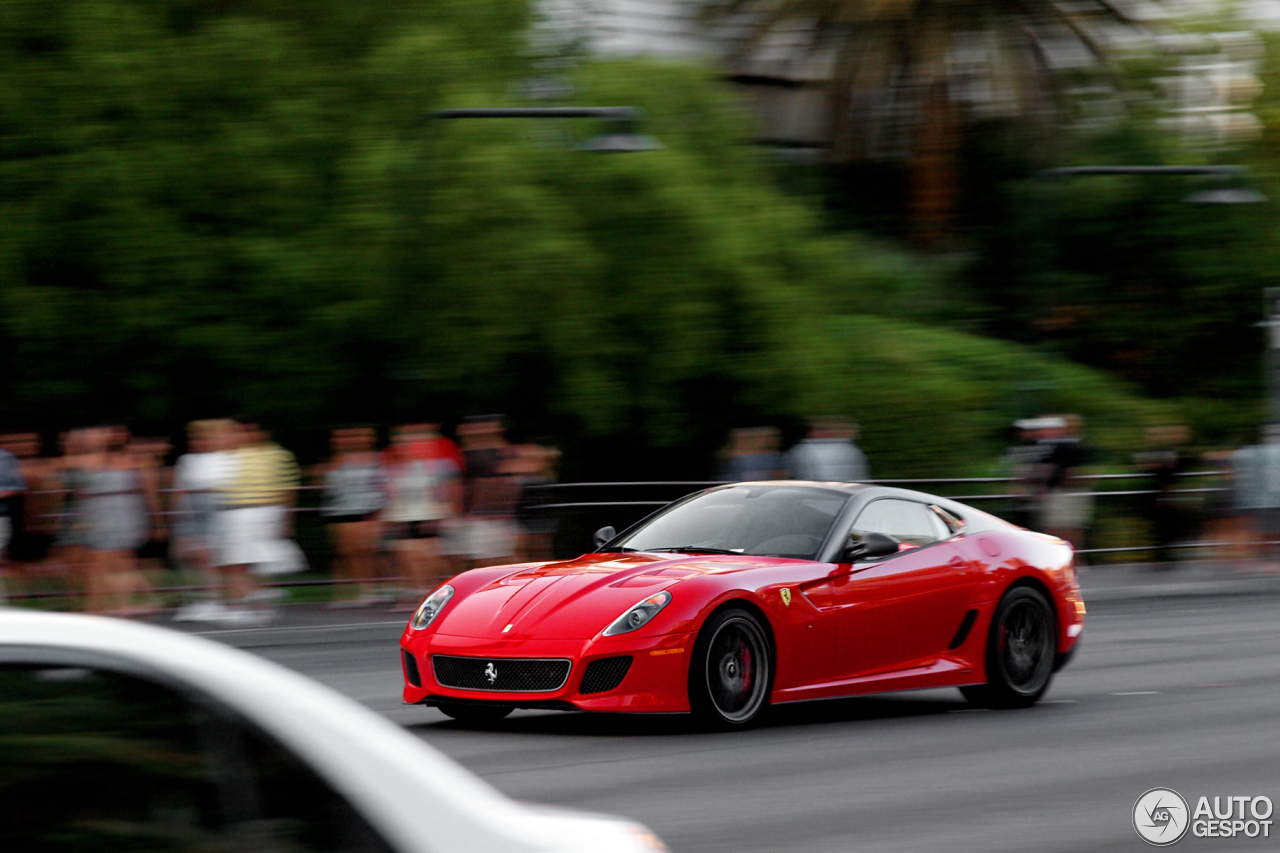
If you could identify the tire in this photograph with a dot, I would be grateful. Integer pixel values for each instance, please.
(731, 670)
(474, 713)
(1021, 650)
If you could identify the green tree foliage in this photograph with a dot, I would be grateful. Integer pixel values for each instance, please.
(1130, 275)
(240, 207)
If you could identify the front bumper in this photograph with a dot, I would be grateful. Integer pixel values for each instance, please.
(656, 682)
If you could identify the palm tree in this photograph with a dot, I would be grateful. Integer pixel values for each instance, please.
(903, 81)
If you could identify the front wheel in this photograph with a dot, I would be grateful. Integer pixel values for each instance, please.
(1021, 647)
(464, 713)
(730, 672)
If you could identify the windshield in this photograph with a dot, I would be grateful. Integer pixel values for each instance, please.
(761, 521)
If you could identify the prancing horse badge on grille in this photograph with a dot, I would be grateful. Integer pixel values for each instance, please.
(491, 672)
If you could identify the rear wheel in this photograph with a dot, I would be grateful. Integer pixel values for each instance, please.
(731, 672)
(464, 713)
(1021, 647)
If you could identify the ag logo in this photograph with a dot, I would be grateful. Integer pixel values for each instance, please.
(1161, 817)
(491, 672)
(786, 596)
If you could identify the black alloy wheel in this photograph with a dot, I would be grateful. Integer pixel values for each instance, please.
(1021, 648)
(731, 670)
(466, 713)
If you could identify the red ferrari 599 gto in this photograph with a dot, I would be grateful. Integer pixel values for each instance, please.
(755, 594)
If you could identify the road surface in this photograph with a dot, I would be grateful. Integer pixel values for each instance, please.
(1175, 692)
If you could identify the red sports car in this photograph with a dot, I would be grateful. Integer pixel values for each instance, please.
(753, 594)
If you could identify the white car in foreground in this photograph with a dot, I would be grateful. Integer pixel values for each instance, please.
(120, 736)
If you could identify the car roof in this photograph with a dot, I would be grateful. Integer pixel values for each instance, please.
(976, 519)
(831, 486)
(418, 798)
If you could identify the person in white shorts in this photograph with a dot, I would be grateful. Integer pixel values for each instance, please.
(253, 521)
(198, 479)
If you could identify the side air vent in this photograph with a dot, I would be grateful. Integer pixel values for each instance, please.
(605, 674)
(965, 627)
(411, 669)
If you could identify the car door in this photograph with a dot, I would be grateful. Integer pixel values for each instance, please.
(902, 611)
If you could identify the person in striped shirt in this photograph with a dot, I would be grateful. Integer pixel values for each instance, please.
(254, 516)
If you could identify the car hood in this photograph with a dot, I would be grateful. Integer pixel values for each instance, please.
(576, 599)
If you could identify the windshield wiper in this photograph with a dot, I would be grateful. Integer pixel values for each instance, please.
(693, 549)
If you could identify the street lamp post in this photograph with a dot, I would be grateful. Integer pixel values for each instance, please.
(1239, 194)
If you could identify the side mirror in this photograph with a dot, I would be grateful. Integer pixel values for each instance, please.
(603, 535)
(869, 546)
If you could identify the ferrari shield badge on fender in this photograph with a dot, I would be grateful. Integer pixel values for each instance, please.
(786, 596)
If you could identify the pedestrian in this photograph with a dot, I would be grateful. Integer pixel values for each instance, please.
(423, 486)
(28, 542)
(198, 480)
(489, 531)
(353, 497)
(149, 457)
(829, 453)
(12, 485)
(753, 454)
(1256, 480)
(116, 518)
(1066, 505)
(536, 472)
(41, 504)
(70, 543)
(256, 526)
(445, 467)
(1167, 511)
(1022, 463)
(1225, 520)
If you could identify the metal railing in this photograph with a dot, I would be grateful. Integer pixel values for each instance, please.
(674, 489)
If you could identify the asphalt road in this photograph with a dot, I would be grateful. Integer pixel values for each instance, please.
(1176, 692)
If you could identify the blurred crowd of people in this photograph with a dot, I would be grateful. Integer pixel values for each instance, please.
(108, 508)
(828, 453)
(1217, 504)
(1053, 488)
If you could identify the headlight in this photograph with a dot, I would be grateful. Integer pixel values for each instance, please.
(430, 609)
(639, 616)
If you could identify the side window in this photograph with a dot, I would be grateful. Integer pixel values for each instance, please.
(97, 761)
(906, 521)
(297, 809)
(952, 524)
(92, 759)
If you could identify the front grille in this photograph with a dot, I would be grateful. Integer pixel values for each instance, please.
(501, 675)
(411, 669)
(604, 674)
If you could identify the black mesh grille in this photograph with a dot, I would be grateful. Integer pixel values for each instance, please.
(411, 669)
(604, 674)
(501, 675)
